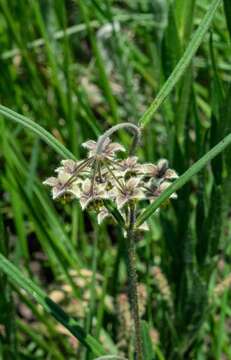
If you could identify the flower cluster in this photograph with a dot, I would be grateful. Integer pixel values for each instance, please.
(103, 177)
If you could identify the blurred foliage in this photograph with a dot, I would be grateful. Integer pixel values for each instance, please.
(76, 68)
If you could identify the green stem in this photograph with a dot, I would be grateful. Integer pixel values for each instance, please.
(132, 278)
(182, 64)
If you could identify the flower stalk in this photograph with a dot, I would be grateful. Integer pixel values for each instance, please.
(133, 284)
(109, 132)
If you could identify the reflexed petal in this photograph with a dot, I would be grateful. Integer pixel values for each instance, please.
(128, 164)
(86, 185)
(103, 214)
(118, 174)
(58, 169)
(90, 144)
(121, 200)
(101, 193)
(113, 193)
(51, 181)
(164, 185)
(174, 196)
(132, 160)
(138, 194)
(149, 169)
(70, 165)
(63, 177)
(57, 192)
(143, 227)
(139, 169)
(171, 174)
(75, 190)
(162, 163)
(84, 201)
(114, 147)
(133, 182)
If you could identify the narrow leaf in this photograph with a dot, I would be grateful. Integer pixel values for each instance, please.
(182, 64)
(17, 278)
(227, 8)
(38, 130)
(147, 343)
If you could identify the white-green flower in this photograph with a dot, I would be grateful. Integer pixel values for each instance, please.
(130, 165)
(128, 190)
(58, 184)
(108, 151)
(90, 192)
(160, 170)
(102, 215)
(154, 190)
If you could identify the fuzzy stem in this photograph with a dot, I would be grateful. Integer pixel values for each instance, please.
(109, 132)
(132, 278)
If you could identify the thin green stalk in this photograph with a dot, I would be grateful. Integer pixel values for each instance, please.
(39, 340)
(7, 306)
(16, 277)
(38, 130)
(75, 29)
(132, 278)
(181, 65)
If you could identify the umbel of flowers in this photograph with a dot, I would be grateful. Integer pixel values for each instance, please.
(106, 182)
(104, 177)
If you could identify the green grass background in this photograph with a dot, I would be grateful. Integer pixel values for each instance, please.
(76, 68)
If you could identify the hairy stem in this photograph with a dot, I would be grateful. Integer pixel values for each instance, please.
(132, 278)
(115, 128)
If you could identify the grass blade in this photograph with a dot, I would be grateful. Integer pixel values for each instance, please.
(38, 130)
(182, 64)
(227, 8)
(16, 277)
(183, 179)
(147, 343)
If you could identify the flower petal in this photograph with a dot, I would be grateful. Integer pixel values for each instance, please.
(143, 227)
(70, 165)
(114, 147)
(51, 181)
(138, 194)
(171, 174)
(121, 200)
(84, 201)
(149, 169)
(63, 177)
(90, 144)
(86, 185)
(133, 182)
(75, 190)
(162, 163)
(174, 196)
(102, 215)
(57, 192)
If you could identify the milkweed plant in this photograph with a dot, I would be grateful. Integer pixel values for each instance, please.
(115, 186)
